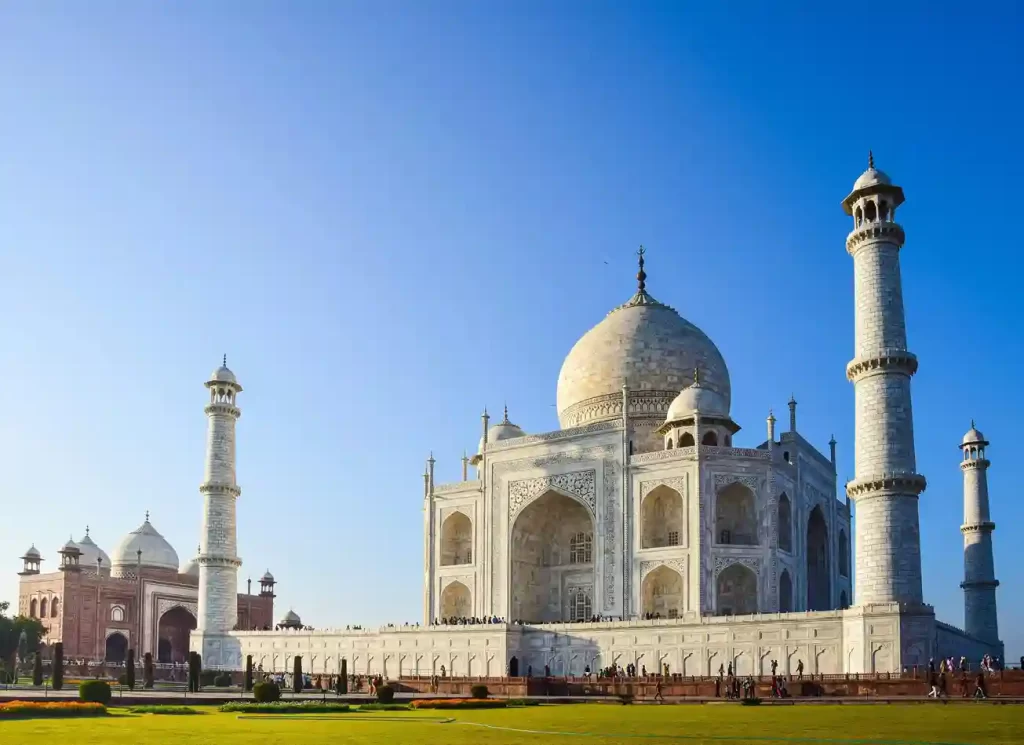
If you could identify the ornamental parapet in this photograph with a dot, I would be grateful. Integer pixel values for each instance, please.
(213, 487)
(970, 584)
(892, 483)
(225, 409)
(887, 360)
(891, 232)
(986, 526)
(974, 464)
(457, 486)
(559, 434)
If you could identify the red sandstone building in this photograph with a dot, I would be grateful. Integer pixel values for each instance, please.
(99, 608)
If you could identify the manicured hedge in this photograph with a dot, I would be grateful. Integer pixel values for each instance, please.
(58, 666)
(223, 680)
(478, 691)
(459, 703)
(384, 707)
(385, 694)
(95, 691)
(286, 707)
(50, 710)
(172, 710)
(265, 693)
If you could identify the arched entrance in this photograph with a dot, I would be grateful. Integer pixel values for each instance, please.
(819, 595)
(456, 540)
(173, 632)
(513, 667)
(663, 593)
(661, 518)
(736, 516)
(737, 591)
(785, 592)
(456, 601)
(552, 558)
(117, 648)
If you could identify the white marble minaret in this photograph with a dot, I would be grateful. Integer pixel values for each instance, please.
(886, 484)
(980, 582)
(218, 559)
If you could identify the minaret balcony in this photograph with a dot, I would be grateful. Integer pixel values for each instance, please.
(217, 488)
(891, 232)
(887, 360)
(973, 464)
(886, 484)
(986, 526)
(221, 408)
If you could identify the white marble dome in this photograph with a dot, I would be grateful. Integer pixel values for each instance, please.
(700, 399)
(503, 430)
(223, 374)
(291, 618)
(191, 567)
(646, 345)
(973, 436)
(871, 177)
(91, 552)
(157, 553)
(267, 577)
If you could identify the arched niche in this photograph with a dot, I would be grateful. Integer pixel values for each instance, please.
(551, 550)
(736, 588)
(736, 516)
(173, 631)
(116, 648)
(661, 518)
(662, 592)
(844, 555)
(456, 540)
(785, 523)
(785, 592)
(456, 601)
(818, 581)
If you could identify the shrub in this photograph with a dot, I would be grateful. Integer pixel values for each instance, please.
(147, 670)
(265, 693)
(58, 666)
(523, 702)
(122, 679)
(385, 694)
(172, 710)
(384, 707)
(343, 678)
(94, 691)
(459, 703)
(223, 680)
(195, 666)
(247, 682)
(751, 701)
(208, 677)
(478, 691)
(626, 698)
(37, 670)
(285, 707)
(50, 710)
(129, 670)
(297, 675)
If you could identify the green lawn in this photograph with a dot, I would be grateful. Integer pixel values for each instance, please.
(598, 723)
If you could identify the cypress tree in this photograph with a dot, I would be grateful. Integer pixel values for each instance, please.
(147, 670)
(193, 672)
(297, 675)
(248, 672)
(58, 666)
(37, 670)
(129, 670)
(343, 677)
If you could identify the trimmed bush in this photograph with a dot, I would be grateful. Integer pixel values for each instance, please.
(208, 677)
(385, 694)
(122, 679)
(195, 666)
(522, 702)
(384, 707)
(286, 707)
(58, 666)
(223, 680)
(50, 710)
(94, 691)
(129, 670)
(343, 678)
(171, 710)
(37, 670)
(297, 675)
(147, 670)
(247, 682)
(750, 701)
(478, 691)
(265, 693)
(459, 703)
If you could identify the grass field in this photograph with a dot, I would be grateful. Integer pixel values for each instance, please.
(906, 724)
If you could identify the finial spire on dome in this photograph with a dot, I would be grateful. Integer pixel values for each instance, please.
(147, 516)
(972, 425)
(87, 527)
(871, 159)
(224, 362)
(505, 420)
(641, 275)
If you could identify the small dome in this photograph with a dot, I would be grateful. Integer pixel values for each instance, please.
(91, 552)
(157, 553)
(700, 399)
(267, 577)
(32, 553)
(503, 430)
(291, 618)
(70, 548)
(973, 437)
(191, 567)
(223, 375)
(872, 177)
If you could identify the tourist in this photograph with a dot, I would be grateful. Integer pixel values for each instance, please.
(963, 682)
(933, 683)
(657, 692)
(775, 667)
(800, 669)
(979, 685)
(942, 685)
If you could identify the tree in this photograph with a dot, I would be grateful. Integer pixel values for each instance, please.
(17, 632)
(297, 675)
(37, 669)
(247, 684)
(195, 667)
(129, 670)
(58, 666)
(147, 670)
(343, 678)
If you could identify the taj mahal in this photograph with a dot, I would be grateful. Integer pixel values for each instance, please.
(636, 532)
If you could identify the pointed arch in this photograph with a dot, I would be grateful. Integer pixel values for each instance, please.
(819, 591)
(785, 522)
(785, 592)
(661, 518)
(456, 601)
(709, 438)
(736, 590)
(736, 516)
(33, 608)
(456, 540)
(662, 591)
(686, 440)
(55, 608)
(43, 609)
(844, 555)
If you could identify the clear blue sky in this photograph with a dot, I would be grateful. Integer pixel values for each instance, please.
(390, 215)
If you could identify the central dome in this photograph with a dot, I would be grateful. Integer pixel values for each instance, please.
(649, 347)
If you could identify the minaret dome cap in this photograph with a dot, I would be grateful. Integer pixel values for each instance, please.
(223, 374)
(873, 181)
(974, 437)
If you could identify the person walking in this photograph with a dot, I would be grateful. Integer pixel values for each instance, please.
(979, 685)
(800, 669)
(657, 692)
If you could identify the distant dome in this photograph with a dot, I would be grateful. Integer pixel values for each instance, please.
(191, 567)
(291, 620)
(157, 553)
(32, 553)
(70, 547)
(91, 552)
(503, 430)
(700, 399)
(223, 374)
(645, 345)
(973, 437)
(871, 177)
(267, 577)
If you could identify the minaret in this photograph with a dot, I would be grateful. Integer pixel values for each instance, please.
(218, 559)
(980, 582)
(886, 484)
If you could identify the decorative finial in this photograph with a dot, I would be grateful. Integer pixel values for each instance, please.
(696, 376)
(641, 276)
(431, 458)
(972, 427)
(771, 416)
(87, 527)
(147, 516)
(225, 361)
(871, 160)
(792, 399)
(199, 550)
(833, 440)
(505, 420)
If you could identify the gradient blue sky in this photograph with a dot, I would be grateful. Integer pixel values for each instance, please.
(390, 215)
